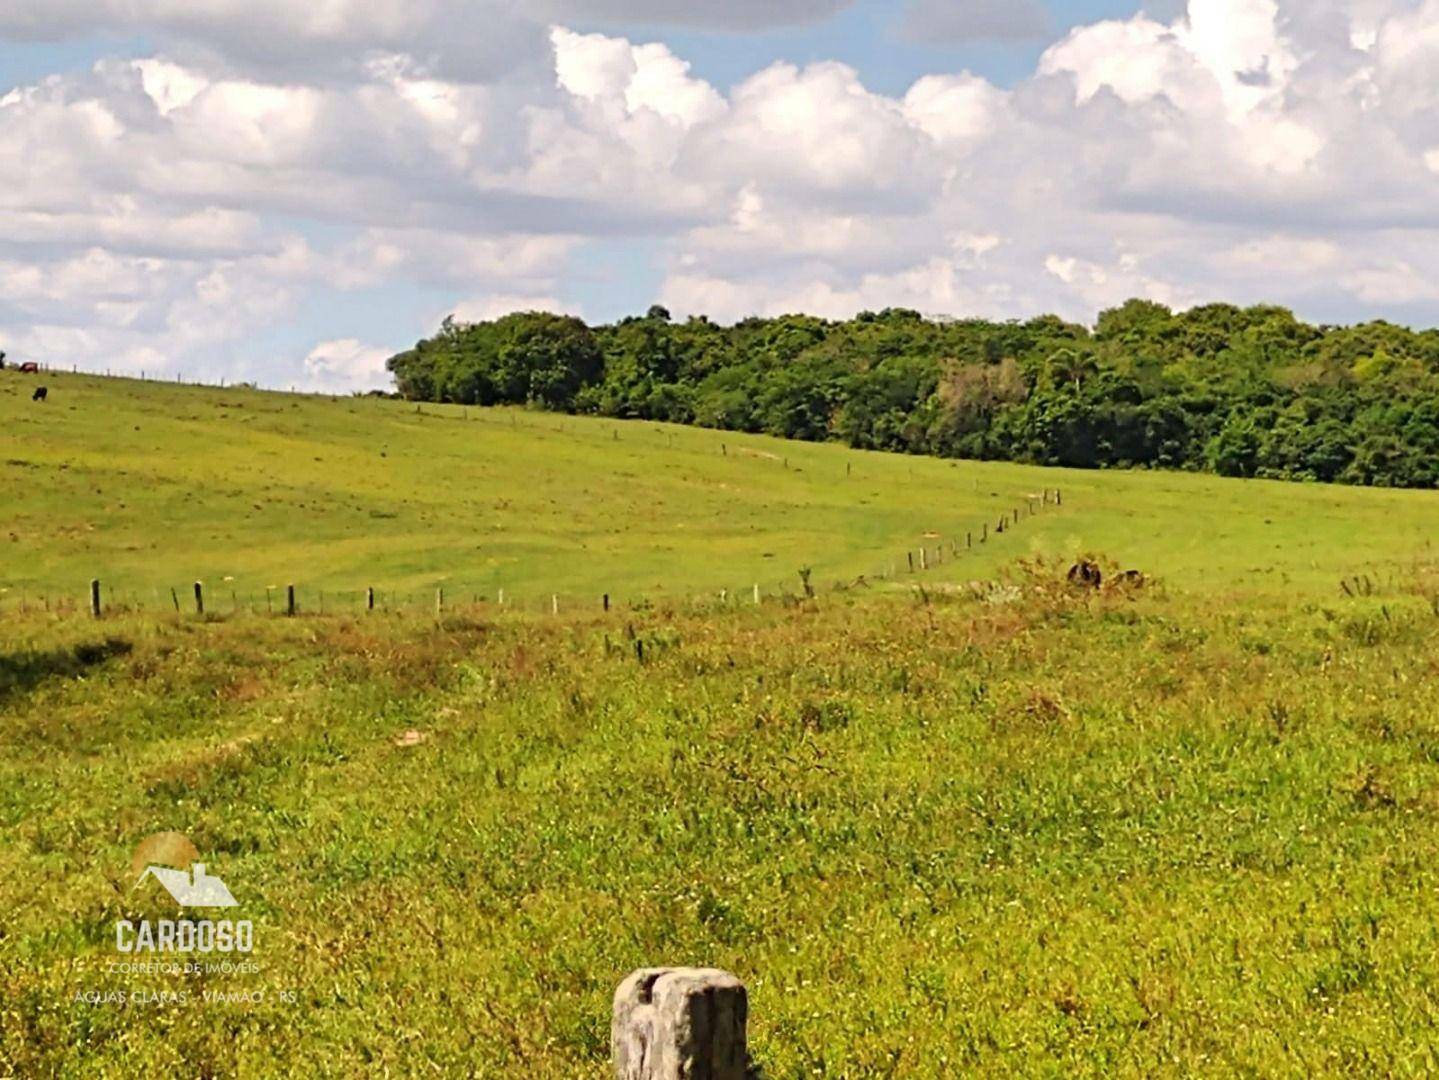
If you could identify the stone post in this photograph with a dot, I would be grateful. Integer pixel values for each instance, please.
(680, 1024)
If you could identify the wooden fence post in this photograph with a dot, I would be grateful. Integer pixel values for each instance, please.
(440, 601)
(95, 597)
(175, 598)
(607, 601)
(199, 599)
(756, 593)
(370, 598)
(910, 556)
(680, 1024)
(290, 600)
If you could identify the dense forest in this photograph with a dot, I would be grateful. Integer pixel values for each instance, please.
(1237, 391)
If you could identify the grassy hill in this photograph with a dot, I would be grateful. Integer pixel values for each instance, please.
(150, 486)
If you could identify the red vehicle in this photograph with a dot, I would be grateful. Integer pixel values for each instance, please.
(29, 368)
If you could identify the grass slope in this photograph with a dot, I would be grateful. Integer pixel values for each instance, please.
(150, 486)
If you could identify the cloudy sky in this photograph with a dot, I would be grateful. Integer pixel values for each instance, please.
(290, 192)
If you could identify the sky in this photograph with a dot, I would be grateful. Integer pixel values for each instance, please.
(290, 193)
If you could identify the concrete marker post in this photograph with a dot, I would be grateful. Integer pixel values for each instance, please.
(680, 1024)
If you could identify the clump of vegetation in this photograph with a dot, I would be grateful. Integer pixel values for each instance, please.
(1235, 391)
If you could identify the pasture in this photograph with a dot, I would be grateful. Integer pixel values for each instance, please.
(153, 486)
(1189, 828)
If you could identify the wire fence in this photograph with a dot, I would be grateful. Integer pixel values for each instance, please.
(227, 598)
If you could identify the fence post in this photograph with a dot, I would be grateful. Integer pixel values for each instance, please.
(910, 556)
(756, 593)
(680, 1024)
(289, 600)
(175, 598)
(923, 559)
(607, 601)
(199, 599)
(370, 598)
(554, 603)
(95, 597)
(440, 601)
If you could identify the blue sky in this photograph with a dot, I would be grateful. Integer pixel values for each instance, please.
(248, 191)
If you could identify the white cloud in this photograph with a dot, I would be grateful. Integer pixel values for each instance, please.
(819, 134)
(1390, 282)
(953, 107)
(632, 78)
(346, 364)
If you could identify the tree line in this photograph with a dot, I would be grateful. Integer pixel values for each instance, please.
(1235, 391)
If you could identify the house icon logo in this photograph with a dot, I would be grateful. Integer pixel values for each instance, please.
(158, 856)
(193, 889)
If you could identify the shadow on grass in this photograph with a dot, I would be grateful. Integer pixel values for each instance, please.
(23, 671)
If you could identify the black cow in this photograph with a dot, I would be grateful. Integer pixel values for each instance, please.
(41, 392)
(1085, 575)
(29, 367)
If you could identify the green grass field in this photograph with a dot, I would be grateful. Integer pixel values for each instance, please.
(1185, 829)
(151, 486)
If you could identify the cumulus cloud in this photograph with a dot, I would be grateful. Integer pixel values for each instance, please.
(166, 211)
(345, 364)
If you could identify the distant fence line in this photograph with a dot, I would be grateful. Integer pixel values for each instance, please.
(178, 379)
(290, 599)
